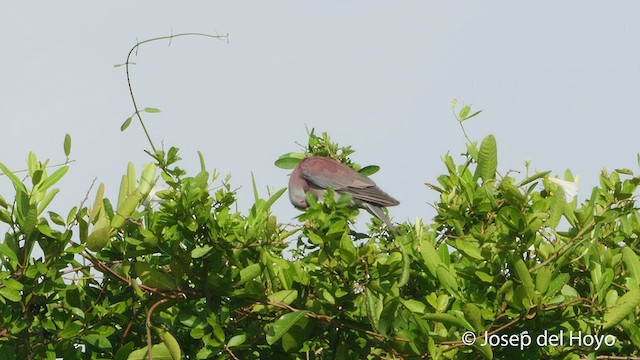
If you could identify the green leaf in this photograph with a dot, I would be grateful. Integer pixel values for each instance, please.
(487, 159)
(469, 247)
(534, 177)
(464, 112)
(67, 145)
(32, 164)
(447, 279)
(485, 349)
(151, 110)
(17, 184)
(172, 345)
(348, 252)
(10, 294)
(275, 197)
(249, 273)
(126, 124)
(53, 178)
(472, 115)
(556, 209)
(237, 340)
(98, 340)
(284, 296)
(624, 171)
(406, 268)
(57, 219)
(153, 277)
(159, 351)
(201, 251)
(147, 179)
(448, 319)
(289, 161)
(293, 340)
(98, 238)
(430, 256)
(47, 200)
(283, 324)
(631, 263)
(557, 283)
(6, 251)
(473, 315)
(523, 274)
(28, 222)
(36, 177)
(483, 276)
(70, 330)
(369, 170)
(626, 305)
(414, 306)
(126, 209)
(543, 279)
(97, 204)
(124, 352)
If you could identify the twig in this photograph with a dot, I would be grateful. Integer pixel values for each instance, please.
(149, 313)
(48, 166)
(337, 324)
(565, 247)
(127, 63)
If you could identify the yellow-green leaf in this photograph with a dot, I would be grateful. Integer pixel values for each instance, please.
(127, 208)
(414, 306)
(53, 178)
(631, 263)
(97, 204)
(67, 145)
(125, 124)
(283, 325)
(172, 345)
(430, 256)
(153, 277)
(249, 273)
(556, 209)
(487, 159)
(626, 305)
(525, 278)
(448, 319)
(98, 238)
(543, 278)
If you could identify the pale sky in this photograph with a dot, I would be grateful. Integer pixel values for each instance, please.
(559, 84)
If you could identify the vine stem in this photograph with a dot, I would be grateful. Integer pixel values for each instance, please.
(128, 62)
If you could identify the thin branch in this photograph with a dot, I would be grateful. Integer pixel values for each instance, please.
(149, 313)
(565, 247)
(333, 322)
(128, 62)
(47, 167)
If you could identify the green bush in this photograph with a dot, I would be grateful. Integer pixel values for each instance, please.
(510, 267)
(509, 260)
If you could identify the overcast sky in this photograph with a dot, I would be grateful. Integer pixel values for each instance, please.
(559, 84)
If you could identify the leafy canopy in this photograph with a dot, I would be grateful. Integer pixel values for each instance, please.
(180, 273)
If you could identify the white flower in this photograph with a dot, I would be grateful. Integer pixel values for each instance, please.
(569, 188)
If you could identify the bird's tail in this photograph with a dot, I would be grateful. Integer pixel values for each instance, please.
(377, 212)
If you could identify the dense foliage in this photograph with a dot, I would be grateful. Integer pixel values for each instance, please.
(509, 260)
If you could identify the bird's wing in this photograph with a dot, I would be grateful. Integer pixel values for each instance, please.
(372, 195)
(328, 173)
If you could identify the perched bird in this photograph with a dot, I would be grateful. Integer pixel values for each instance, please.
(316, 174)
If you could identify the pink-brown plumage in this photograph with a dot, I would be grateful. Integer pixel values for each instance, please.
(316, 174)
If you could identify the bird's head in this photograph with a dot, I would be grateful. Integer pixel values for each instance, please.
(298, 189)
